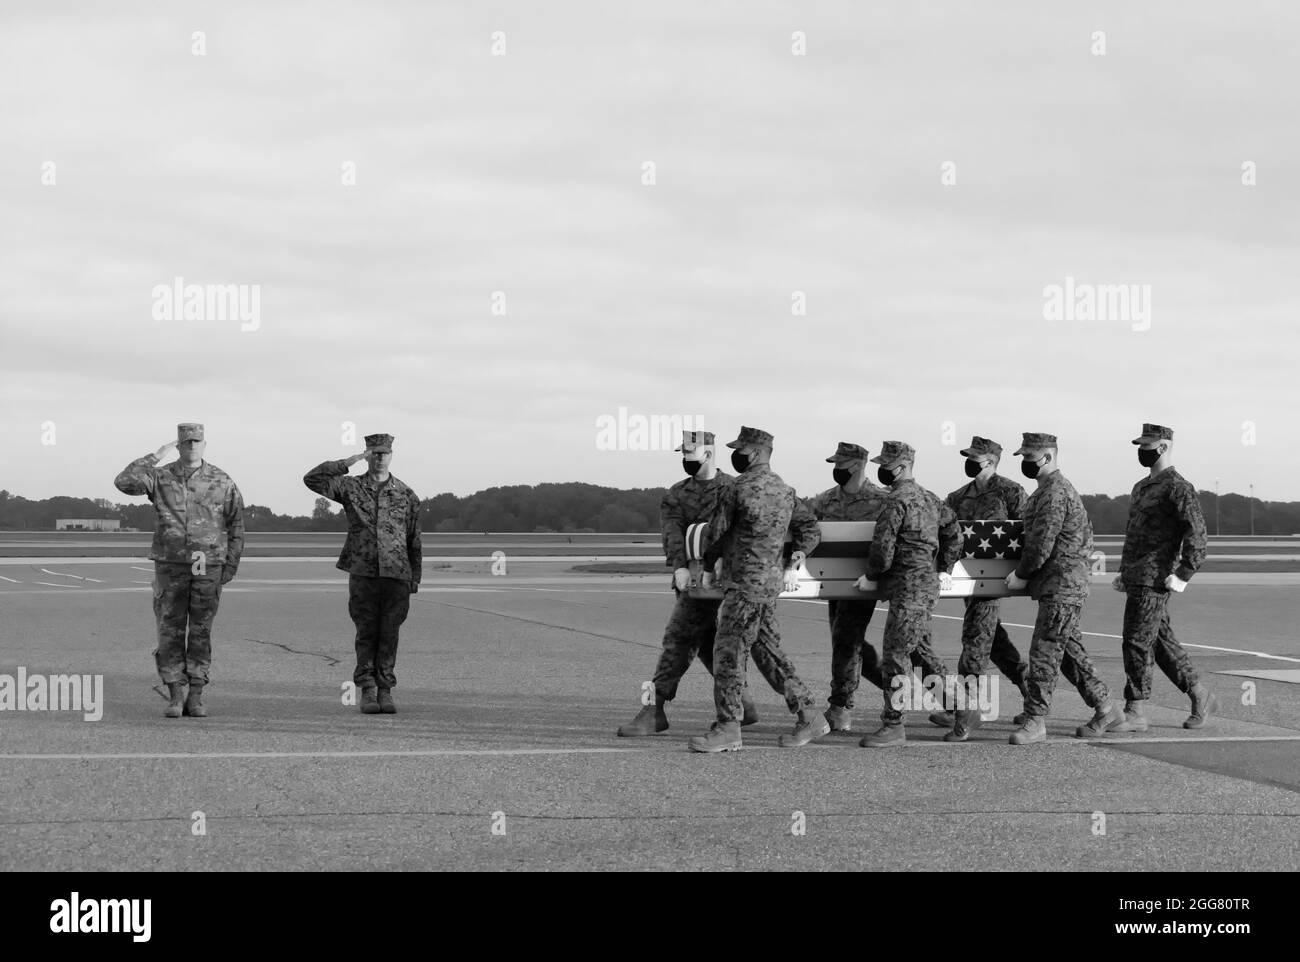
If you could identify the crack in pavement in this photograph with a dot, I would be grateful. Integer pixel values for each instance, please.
(330, 659)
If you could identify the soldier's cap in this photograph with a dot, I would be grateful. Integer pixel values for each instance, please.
(751, 436)
(892, 451)
(694, 439)
(848, 452)
(1152, 433)
(1033, 440)
(379, 442)
(189, 432)
(980, 446)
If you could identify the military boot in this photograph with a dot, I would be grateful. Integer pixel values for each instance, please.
(750, 712)
(722, 737)
(942, 719)
(810, 725)
(886, 736)
(1203, 704)
(1104, 716)
(194, 703)
(965, 722)
(650, 720)
(386, 703)
(1032, 729)
(176, 702)
(839, 719)
(1135, 720)
(369, 701)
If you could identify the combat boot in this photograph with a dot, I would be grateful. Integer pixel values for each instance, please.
(1134, 719)
(176, 703)
(386, 704)
(1033, 729)
(839, 719)
(722, 737)
(965, 723)
(943, 719)
(886, 736)
(194, 703)
(750, 716)
(369, 702)
(1020, 719)
(809, 726)
(1104, 716)
(650, 720)
(1203, 704)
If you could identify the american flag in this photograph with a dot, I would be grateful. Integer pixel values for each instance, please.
(992, 540)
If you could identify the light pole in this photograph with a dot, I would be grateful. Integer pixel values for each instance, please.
(1252, 509)
(1216, 507)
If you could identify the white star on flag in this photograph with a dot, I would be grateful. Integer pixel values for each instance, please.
(998, 532)
(968, 531)
(984, 544)
(1013, 544)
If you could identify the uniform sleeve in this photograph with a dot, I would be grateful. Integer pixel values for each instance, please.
(720, 524)
(1188, 508)
(414, 542)
(138, 477)
(327, 479)
(673, 523)
(1013, 496)
(817, 505)
(806, 533)
(949, 539)
(954, 502)
(233, 515)
(881, 556)
(1041, 533)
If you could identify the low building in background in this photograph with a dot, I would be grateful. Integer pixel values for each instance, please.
(87, 524)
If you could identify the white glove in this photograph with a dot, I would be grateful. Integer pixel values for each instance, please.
(682, 579)
(790, 580)
(797, 558)
(717, 568)
(1175, 583)
(1015, 583)
(945, 581)
(1118, 583)
(864, 584)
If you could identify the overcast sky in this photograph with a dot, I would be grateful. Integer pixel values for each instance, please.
(523, 173)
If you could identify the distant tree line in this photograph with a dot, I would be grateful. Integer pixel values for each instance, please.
(574, 507)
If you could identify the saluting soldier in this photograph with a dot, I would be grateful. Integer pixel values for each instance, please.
(855, 498)
(748, 532)
(694, 621)
(1164, 545)
(197, 544)
(1055, 567)
(383, 557)
(915, 542)
(988, 496)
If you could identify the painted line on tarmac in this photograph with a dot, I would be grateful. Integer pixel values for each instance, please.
(424, 753)
(51, 584)
(10, 580)
(60, 574)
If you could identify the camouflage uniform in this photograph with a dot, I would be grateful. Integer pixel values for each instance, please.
(197, 545)
(982, 633)
(1056, 561)
(383, 556)
(693, 623)
(748, 531)
(916, 537)
(1165, 535)
(851, 654)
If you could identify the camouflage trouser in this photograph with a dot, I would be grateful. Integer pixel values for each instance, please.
(748, 626)
(378, 607)
(690, 633)
(180, 596)
(1058, 648)
(982, 636)
(852, 655)
(907, 634)
(1148, 639)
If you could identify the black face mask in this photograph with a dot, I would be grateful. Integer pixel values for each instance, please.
(740, 461)
(885, 476)
(973, 467)
(1029, 468)
(692, 467)
(841, 476)
(1148, 456)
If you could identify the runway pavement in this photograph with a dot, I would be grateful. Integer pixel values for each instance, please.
(509, 691)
